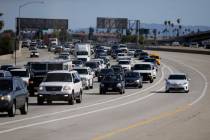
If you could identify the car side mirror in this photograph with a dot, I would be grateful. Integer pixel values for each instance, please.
(76, 80)
(17, 89)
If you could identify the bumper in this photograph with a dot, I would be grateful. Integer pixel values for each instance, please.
(5, 105)
(131, 84)
(177, 87)
(55, 97)
(110, 89)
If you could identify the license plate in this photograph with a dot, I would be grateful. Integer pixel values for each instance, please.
(109, 88)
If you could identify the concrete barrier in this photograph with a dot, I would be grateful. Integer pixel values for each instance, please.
(178, 49)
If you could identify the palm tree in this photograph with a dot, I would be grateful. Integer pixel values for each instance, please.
(1, 22)
(179, 26)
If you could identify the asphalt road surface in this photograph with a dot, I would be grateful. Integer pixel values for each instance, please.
(146, 113)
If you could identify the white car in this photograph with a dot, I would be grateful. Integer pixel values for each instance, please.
(101, 63)
(86, 76)
(177, 82)
(147, 71)
(34, 53)
(126, 64)
(64, 56)
(22, 73)
(60, 86)
(121, 55)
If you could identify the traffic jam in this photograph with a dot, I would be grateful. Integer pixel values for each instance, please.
(77, 67)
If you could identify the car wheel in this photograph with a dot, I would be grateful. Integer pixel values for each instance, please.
(140, 85)
(40, 101)
(168, 91)
(91, 85)
(12, 110)
(71, 99)
(102, 92)
(122, 91)
(49, 102)
(151, 80)
(79, 100)
(24, 109)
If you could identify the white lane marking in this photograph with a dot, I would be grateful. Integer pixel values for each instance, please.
(204, 78)
(78, 108)
(74, 116)
(79, 115)
(205, 87)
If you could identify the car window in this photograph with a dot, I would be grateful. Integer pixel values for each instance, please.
(18, 85)
(177, 77)
(58, 77)
(1, 74)
(6, 85)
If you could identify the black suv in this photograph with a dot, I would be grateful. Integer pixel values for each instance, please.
(13, 95)
(133, 79)
(104, 72)
(112, 83)
(118, 69)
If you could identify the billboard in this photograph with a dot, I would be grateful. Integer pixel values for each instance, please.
(112, 23)
(38, 23)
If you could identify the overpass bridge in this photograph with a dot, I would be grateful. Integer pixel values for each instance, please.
(195, 37)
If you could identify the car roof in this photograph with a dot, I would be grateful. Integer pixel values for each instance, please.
(23, 69)
(81, 68)
(144, 63)
(62, 71)
(178, 74)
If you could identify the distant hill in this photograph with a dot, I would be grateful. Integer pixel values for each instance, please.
(159, 27)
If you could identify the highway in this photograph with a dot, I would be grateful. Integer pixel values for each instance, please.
(146, 113)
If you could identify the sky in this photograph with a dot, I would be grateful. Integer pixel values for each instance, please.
(83, 13)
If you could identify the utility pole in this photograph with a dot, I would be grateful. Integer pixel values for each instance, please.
(137, 31)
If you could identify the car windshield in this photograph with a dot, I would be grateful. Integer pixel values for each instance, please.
(55, 67)
(106, 71)
(124, 62)
(82, 53)
(38, 66)
(76, 62)
(91, 65)
(6, 85)
(132, 74)
(117, 69)
(142, 67)
(177, 77)
(20, 73)
(58, 77)
(82, 71)
(112, 78)
(150, 60)
(156, 57)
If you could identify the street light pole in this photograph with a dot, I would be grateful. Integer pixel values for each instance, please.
(21, 6)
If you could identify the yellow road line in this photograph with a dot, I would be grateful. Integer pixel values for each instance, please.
(142, 122)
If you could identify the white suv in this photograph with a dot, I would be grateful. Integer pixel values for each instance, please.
(147, 71)
(60, 86)
(86, 76)
(177, 82)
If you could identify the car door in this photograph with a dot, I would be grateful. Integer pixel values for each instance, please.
(78, 82)
(17, 93)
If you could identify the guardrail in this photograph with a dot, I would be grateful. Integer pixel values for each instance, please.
(178, 49)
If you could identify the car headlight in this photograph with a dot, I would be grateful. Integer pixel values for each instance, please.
(84, 79)
(137, 81)
(102, 85)
(184, 83)
(119, 85)
(41, 88)
(6, 98)
(66, 88)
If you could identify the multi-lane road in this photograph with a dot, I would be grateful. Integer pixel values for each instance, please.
(146, 113)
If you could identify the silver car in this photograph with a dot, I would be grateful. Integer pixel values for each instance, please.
(177, 82)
